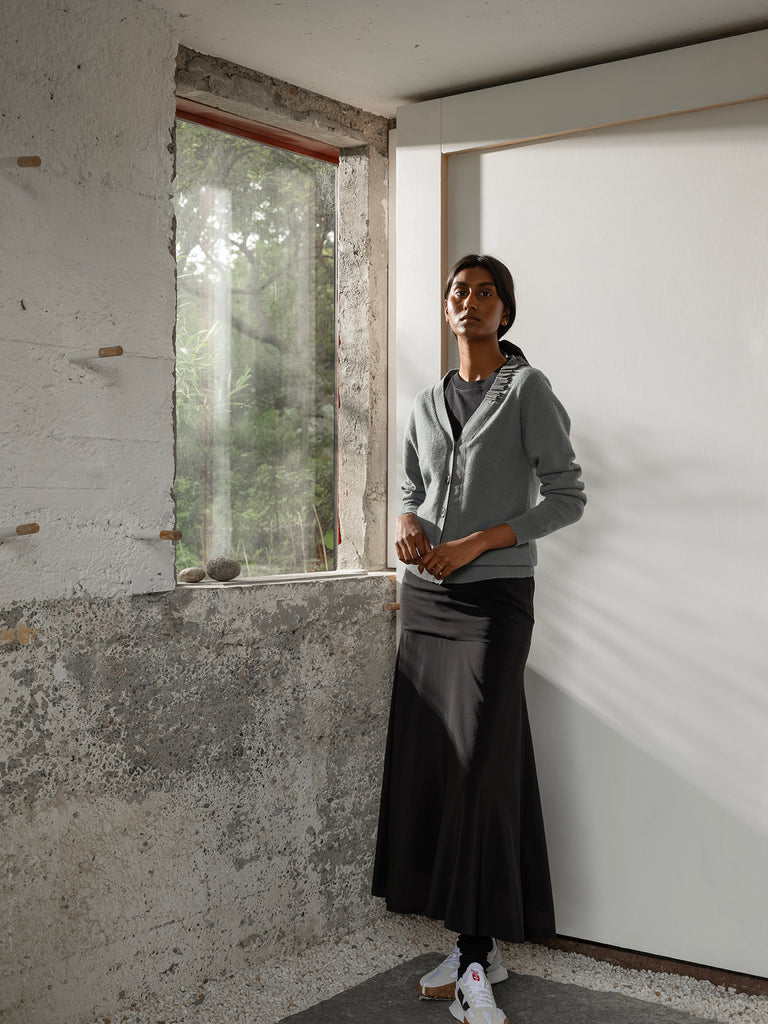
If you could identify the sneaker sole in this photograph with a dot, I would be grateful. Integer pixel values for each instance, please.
(438, 991)
(495, 975)
(458, 1013)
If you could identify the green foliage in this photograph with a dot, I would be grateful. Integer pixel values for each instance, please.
(256, 426)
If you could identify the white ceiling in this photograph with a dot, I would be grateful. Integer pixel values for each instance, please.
(379, 54)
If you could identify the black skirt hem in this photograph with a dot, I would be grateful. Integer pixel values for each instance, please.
(536, 936)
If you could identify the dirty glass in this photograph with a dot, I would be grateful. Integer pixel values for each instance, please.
(255, 351)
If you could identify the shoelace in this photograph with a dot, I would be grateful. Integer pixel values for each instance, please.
(478, 986)
(452, 960)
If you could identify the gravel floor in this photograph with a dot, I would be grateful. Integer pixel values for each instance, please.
(281, 986)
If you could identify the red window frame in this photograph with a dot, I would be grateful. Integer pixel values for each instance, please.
(222, 120)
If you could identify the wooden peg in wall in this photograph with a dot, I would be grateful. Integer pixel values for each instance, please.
(6, 532)
(97, 353)
(20, 161)
(162, 535)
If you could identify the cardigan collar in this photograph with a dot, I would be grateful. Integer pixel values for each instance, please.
(496, 394)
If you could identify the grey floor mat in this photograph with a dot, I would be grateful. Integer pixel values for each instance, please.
(390, 998)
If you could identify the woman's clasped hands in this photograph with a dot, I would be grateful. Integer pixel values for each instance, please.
(413, 548)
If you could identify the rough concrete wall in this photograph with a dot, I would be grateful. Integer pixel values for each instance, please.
(87, 450)
(226, 86)
(189, 782)
(362, 273)
(362, 255)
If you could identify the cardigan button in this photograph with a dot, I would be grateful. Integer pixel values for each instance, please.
(442, 511)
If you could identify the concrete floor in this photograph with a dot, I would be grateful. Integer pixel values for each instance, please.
(280, 988)
(389, 999)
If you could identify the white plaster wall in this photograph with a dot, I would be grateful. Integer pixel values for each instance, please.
(86, 450)
(640, 258)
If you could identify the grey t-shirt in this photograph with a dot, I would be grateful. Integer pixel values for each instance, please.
(463, 397)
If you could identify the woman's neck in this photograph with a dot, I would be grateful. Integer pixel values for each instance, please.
(479, 360)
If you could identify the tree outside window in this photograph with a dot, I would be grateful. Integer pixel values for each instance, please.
(255, 351)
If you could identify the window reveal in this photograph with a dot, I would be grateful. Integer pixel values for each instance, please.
(256, 358)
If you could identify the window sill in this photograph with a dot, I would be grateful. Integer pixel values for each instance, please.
(302, 577)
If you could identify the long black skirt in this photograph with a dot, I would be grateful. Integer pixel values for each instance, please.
(461, 834)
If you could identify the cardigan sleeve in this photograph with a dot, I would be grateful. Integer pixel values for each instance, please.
(545, 430)
(412, 487)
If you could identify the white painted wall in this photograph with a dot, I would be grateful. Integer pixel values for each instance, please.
(86, 450)
(640, 257)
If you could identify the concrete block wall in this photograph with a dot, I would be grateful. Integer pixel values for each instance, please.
(190, 783)
(86, 449)
(188, 777)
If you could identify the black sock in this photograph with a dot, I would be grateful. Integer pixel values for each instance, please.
(474, 949)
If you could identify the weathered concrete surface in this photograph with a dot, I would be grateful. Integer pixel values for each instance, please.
(227, 86)
(362, 370)
(86, 450)
(189, 782)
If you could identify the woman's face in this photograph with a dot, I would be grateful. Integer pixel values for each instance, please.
(473, 309)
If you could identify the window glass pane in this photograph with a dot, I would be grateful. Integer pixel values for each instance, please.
(255, 350)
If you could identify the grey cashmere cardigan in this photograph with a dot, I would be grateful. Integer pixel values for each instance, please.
(515, 447)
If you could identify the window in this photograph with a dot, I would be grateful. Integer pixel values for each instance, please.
(255, 344)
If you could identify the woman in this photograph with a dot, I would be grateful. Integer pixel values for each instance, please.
(461, 835)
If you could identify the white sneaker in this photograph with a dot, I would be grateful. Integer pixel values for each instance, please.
(474, 1002)
(441, 982)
